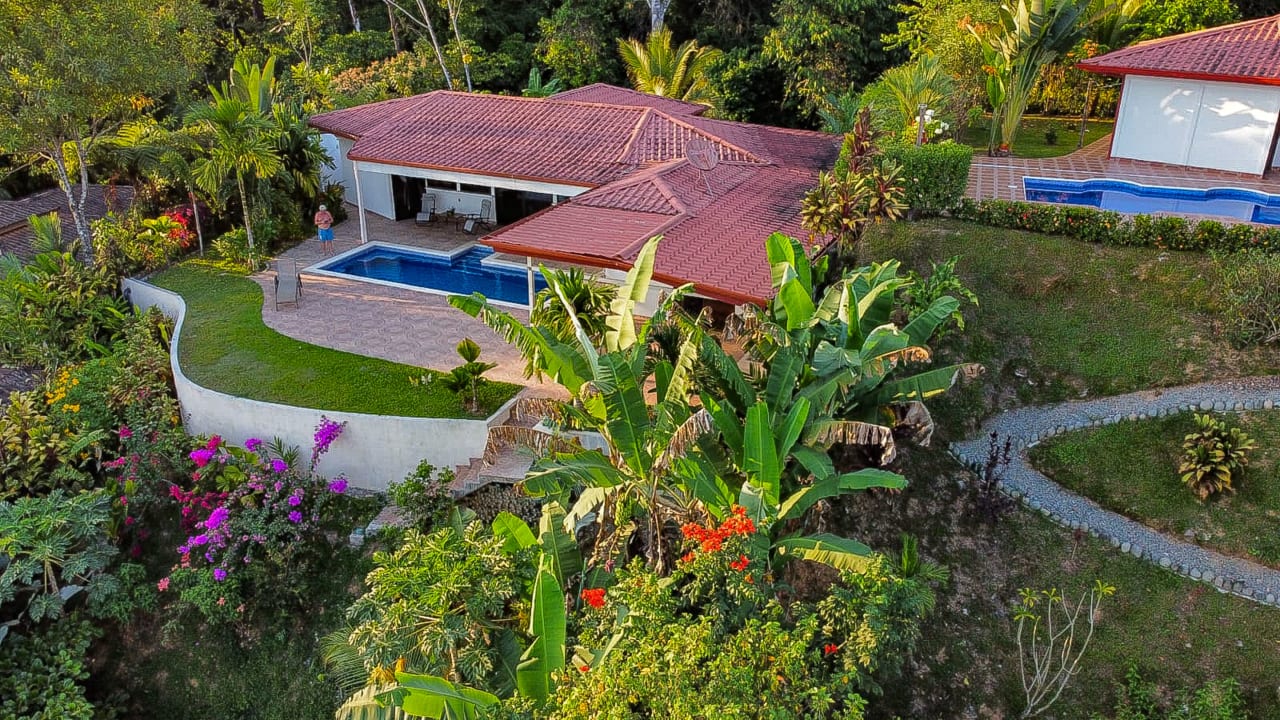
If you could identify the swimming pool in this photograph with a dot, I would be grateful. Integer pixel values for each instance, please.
(1128, 197)
(458, 274)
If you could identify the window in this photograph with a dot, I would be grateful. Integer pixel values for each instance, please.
(442, 185)
(477, 189)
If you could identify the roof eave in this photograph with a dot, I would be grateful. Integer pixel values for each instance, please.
(474, 171)
(1177, 74)
(722, 294)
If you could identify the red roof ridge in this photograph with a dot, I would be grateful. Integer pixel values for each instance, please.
(1246, 52)
(717, 139)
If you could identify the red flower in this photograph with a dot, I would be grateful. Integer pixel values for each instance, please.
(594, 597)
(584, 668)
(688, 557)
(740, 564)
(830, 649)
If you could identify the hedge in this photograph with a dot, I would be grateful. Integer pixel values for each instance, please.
(934, 176)
(1111, 228)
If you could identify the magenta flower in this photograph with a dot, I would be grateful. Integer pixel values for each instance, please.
(163, 584)
(279, 466)
(295, 517)
(125, 432)
(219, 574)
(213, 443)
(338, 486)
(201, 457)
(200, 540)
(183, 549)
(252, 444)
(216, 518)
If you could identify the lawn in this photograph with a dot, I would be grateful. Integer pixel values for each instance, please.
(1062, 319)
(1031, 141)
(1131, 468)
(1177, 632)
(225, 346)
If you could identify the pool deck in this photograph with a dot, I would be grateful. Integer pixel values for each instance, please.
(1001, 177)
(406, 326)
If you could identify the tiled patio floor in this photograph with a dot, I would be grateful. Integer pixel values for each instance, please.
(991, 177)
(406, 326)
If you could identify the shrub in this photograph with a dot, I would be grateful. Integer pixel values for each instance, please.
(934, 175)
(424, 494)
(57, 310)
(1213, 456)
(1249, 290)
(1111, 228)
(233, 246)
(41, 674)
(1141, 700)
(942, 281)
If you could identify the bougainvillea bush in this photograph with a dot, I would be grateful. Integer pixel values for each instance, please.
(256, 523)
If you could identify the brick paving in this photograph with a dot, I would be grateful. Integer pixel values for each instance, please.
(405, 326)
(1001, 177)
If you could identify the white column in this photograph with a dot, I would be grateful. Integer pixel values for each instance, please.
(528, 265)
(364, 231)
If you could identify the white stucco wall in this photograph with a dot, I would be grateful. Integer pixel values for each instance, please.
(334, 174)
(376, 188)
(1222, 126)
(373, 449)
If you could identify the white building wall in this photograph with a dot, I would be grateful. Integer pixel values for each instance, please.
(376, 189)
(1221, 126)
(333, 146)
(373, 451)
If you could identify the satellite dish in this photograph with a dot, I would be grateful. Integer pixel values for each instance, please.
(702, 154)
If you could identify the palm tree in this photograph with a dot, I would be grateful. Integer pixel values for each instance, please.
(241, 144)
(158, 151)
(680, 73)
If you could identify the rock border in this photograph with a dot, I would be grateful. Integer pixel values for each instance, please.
(1029, 426)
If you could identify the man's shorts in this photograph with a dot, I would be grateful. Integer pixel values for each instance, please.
(326, 234)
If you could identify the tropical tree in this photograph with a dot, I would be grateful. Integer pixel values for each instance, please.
(920, 82)
(682, 73)
(69, 82)
(240, 144)
(574, 295)
(158, 152)
(1027, 37)
(537, 87)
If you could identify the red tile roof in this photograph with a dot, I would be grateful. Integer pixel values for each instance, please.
(632, 152)
(713, 239)
(1246, 52)
(16, 237)
(614, 95)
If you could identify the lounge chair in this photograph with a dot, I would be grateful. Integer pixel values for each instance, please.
(288, 283)
(480, 219)
(428, 213)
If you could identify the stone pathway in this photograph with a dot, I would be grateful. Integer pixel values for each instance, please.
(1029, 426)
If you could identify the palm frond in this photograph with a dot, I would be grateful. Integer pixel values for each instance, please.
(853, 432)
(541, 443)
(684, 438)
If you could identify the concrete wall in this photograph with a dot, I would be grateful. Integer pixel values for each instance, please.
(373, 449)
(1222, 126)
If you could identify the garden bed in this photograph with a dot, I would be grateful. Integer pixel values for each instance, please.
(1131, 468)
(227, 347)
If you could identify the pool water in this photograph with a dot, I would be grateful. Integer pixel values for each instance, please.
(462, 274)
(1128, 197)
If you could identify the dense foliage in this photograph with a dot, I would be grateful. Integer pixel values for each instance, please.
(934, 175)
(1248, 285)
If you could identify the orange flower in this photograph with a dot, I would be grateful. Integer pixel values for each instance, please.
(594, 597)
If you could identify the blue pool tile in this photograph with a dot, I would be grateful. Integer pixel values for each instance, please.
(1127, 197)
(461, 275)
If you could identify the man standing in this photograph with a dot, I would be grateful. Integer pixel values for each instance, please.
(324, 226)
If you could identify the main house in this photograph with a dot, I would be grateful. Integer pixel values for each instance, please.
(1206, 99)
(587, 176)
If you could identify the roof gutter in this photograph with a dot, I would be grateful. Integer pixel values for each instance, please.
(1177, 74)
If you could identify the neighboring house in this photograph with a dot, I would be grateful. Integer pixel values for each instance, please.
(585, 177)
(1206, 99)
(16, 237)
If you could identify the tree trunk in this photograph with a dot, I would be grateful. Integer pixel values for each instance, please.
(395, 35)
(244, 207)
(462, 49)
(657, 14)
(74, 204)
(355, 16)
(195, 215)
(431, 33)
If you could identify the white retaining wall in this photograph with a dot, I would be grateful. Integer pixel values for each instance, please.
(373, 450)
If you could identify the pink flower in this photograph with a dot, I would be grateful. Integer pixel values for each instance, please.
(124, 499)
(128, 520)
(163, 584)
(252, 444)
(279, 466)
(125, 432)
(201, 457)
(213, 443)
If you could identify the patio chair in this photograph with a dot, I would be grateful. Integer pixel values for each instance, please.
(480, 219)
(288, 283)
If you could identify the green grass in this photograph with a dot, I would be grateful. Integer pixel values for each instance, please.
(1061, 319)
(1178, 633)
(225, 346)
(1131, 468)
(1031, 142)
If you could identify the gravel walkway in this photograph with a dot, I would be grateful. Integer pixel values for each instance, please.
(1028, 426)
